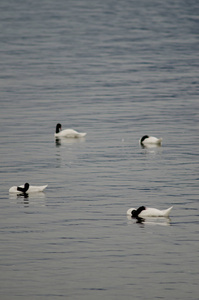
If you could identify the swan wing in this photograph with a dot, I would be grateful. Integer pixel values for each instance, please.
(154, 212)
(35, 189)
(152, 140)
(150, 212)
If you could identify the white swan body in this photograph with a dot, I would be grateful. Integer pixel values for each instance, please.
(146, 140)
(151, 212)
(68, 133)
(31, 189)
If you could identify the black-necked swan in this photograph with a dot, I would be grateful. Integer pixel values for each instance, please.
(26, 188)
(143, 212)
(145, 140)
(69, 133)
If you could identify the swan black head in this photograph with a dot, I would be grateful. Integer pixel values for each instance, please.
(58, 128)
(135, 213)
(143, 138)
(24, 189)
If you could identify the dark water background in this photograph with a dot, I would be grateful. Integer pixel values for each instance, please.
(116, 70)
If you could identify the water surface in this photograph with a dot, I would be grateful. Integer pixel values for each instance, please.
(117, 70)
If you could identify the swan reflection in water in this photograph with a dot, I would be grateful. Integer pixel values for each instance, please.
(61, 141)
(161, 221)
(27, 200)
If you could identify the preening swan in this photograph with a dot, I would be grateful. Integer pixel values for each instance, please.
(68, 133)
(143, 212)
(145, 140)
(26, 188)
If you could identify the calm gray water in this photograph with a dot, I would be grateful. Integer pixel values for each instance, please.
(117, 70)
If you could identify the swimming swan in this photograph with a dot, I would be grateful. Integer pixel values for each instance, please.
(69, 133)
(143, 212)
(150, 140)
(26, 188)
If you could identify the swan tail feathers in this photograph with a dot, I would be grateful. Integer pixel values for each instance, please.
(167, 211)
(82, 134)
(43, 187)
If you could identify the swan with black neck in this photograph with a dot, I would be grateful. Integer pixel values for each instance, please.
(68, 133)
(143, 212)
(148, 140)
(27, 188)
